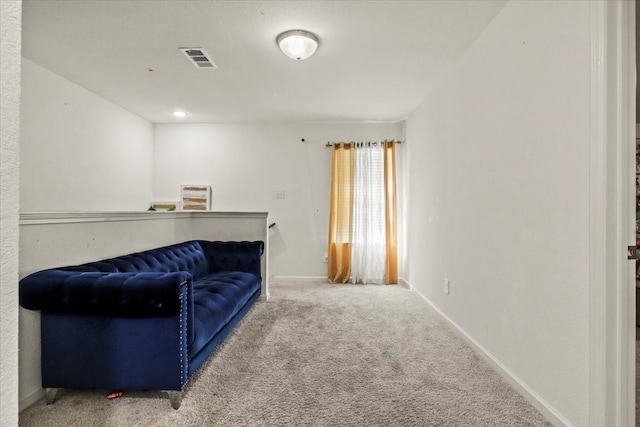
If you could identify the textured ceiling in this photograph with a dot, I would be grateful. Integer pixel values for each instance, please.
(376, 61)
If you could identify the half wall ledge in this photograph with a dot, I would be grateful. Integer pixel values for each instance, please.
(53, 239)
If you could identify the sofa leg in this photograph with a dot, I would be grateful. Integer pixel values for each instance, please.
(175, 397)
(50, 395)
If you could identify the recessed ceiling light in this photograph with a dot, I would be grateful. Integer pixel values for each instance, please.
(179, 114)
(298, 44)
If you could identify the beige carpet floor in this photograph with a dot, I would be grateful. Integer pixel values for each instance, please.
(321, 355)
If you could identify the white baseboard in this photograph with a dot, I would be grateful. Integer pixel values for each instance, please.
(548, 411)
(300, 279)
(30, 399)
(401, 281)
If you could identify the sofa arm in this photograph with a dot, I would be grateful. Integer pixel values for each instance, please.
(234, 256)
(109, 294)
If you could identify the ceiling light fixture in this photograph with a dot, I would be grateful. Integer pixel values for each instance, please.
(179, 114)
(298, 44)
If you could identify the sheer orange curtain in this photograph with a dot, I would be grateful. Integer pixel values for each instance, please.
(391, 269)
(342, 167)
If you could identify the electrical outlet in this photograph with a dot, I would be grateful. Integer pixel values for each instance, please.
(326, 257)
(446, 286)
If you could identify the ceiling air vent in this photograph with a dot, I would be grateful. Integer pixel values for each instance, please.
(198, 57)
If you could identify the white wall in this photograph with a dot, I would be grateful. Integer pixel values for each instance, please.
(499, 200)
(246, 163)
(80, 152)
(10, 38)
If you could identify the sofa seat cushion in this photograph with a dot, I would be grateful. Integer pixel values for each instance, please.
(216, 299)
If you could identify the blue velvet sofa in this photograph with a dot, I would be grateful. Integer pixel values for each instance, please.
(144, 321)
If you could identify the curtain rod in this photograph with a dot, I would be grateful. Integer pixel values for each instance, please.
(331, 144)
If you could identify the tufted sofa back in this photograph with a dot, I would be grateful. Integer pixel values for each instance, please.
(234, 256)
(139, 284)
(187, 257)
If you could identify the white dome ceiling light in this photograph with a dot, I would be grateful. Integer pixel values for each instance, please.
(298, 44)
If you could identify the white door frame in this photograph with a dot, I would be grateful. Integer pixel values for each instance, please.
(612, 214)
